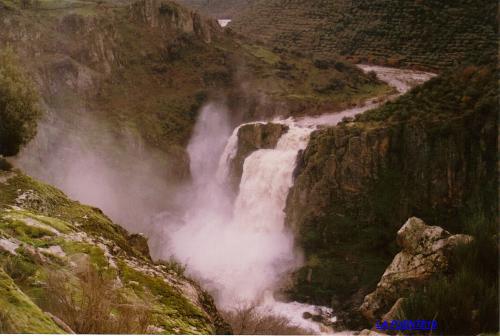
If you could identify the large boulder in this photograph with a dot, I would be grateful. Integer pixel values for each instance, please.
(425, 251)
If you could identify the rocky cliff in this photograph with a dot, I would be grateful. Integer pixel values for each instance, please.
(66, 266)
(429, 154)
(218, 9)
(149, 65)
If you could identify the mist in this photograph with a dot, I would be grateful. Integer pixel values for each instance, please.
(238, 248)
(111, 169)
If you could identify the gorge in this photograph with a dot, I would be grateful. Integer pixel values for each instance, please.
(248, 166)
(240, 248)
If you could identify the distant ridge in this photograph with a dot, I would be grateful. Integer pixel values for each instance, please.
(430, 34)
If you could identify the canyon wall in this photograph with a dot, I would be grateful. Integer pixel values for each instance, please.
(429, 154)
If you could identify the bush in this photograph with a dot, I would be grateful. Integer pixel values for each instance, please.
(18, 106)
(248, 320)
(94, 304)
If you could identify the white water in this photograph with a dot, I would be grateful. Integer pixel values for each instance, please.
(240, 249)
(224, 22)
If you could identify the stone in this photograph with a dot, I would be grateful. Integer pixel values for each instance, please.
(393, 314)
(140, 243)
(425, 251)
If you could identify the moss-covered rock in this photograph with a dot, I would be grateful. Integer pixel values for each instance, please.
(43, 233)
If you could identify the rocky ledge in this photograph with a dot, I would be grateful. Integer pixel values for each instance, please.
(252, 137)
(425, 251)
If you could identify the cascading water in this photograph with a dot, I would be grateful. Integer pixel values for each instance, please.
(240, 249)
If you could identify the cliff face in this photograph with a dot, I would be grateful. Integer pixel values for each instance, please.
(145, 68)
(149, 66)
(430, 154)
(97, 59)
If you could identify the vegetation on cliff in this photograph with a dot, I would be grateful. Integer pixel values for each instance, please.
(431, 154)
(219, 9)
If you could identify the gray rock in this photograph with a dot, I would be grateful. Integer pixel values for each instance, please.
(425, 251)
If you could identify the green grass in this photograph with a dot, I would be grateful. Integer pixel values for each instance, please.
(173, 312)
(262, 53)
(23, 315)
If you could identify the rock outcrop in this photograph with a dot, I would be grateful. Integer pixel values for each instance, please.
(43, 234)
(425, 251)
(140, 243)
(252, 137)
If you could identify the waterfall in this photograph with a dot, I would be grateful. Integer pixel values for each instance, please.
(240, 249)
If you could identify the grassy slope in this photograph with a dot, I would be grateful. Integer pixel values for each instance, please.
(431, 34)
(18, 314)
(44, 217)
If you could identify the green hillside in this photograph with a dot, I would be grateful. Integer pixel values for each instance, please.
(64, 261)
(430, 33)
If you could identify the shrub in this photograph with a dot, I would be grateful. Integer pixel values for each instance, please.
(94, 305)
(248, 320)
(20, 268)
(18, 106)
(167, 9)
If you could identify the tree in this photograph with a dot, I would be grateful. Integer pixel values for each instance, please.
(19, 109)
